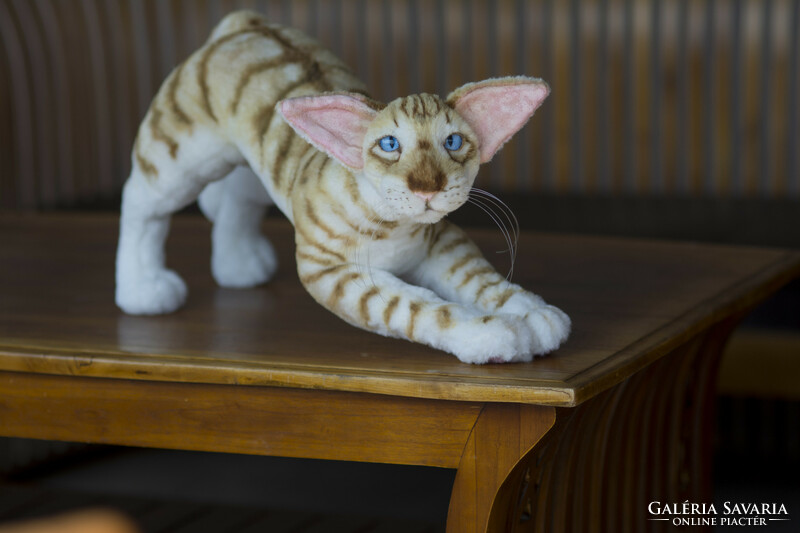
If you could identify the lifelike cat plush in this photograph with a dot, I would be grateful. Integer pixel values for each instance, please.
(365, 184)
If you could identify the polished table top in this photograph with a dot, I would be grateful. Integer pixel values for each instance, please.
(630, 301)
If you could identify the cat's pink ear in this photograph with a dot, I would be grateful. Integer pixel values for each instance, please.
(334, 123)
(497, 108)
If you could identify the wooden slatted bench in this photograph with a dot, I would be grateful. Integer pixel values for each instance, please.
(580, 440)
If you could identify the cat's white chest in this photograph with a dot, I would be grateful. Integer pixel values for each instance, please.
(398, 253)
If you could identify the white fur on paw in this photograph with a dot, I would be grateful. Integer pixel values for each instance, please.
(494, 338)
(244, 263)
(550, 327)
(521, 303)
(160, 292)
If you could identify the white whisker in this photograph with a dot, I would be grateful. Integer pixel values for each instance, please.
(498, 222)
(487, 202)
(488, 209)
(357, 245)
(378, 223)
(352, 251)
(375, 221)
(509, 214)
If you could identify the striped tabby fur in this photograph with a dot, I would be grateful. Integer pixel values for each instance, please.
(283, 121)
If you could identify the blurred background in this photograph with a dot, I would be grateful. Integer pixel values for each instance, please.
(668, 119)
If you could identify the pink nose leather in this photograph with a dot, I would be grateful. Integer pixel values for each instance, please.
(424, 195)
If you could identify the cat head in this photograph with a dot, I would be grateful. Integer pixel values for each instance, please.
(419, 153)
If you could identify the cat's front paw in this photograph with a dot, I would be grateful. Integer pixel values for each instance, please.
(494, 339)
(521, 303)
(156, 293)
(550, 326)
(243, 263)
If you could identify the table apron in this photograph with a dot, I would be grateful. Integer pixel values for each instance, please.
(228, 418)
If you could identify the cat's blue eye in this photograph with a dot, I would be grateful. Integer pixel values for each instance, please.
(453, 142)
(389, 143)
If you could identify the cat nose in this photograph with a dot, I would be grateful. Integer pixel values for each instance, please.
(424, 195)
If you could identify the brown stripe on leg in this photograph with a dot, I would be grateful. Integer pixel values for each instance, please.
(452, 245)
(341, 214)
(503, 297)
(444, 318)
(317, 245)
(318, 275)
(413, 310)
(338, 289)
(485, 286)
(388, 312)
(324, 261)
(462, 262)
(479, 271)
(314, 218)
(363, 304)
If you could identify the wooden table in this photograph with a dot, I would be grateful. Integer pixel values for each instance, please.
(581, 440)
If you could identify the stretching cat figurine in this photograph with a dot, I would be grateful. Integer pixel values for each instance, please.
(366, 186)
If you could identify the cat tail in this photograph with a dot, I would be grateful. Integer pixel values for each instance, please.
(236, 22)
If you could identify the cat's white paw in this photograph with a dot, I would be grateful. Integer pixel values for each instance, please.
(494, 338)
(505, 338)
(550, 326)
(521, 303)
(244, 263)
(156, 293)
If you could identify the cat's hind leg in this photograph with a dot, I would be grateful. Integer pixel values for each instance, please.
(164, 179)
(241, 256)
(144, 285)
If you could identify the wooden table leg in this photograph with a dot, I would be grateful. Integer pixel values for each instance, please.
(595, 467)
(487, 478)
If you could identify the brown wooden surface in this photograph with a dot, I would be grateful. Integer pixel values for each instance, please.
(502, 435)
(630, 301)
(262, 421)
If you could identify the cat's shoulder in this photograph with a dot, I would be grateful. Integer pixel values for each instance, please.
(236, 22)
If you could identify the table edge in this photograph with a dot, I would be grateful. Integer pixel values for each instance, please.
(743, 295)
